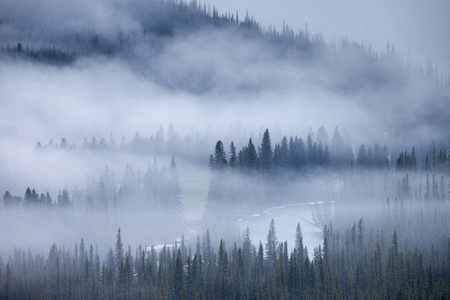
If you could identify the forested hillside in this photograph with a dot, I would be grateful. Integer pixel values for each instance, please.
(191, 130)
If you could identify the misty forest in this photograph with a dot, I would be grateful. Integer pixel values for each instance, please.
(161, 149)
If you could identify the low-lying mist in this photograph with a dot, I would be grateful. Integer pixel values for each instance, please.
(147, 88)
(97, 97)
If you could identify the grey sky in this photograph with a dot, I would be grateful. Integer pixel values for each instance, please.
(421, 25)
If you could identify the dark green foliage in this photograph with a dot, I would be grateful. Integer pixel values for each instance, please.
(31, 198)
(10, 201)
(159, 21)
(299, 157)
(63, 199)
(118, 254)
(300, 255)
(284, 154)
(174, 191)
(272, 244)
(363, 159)
(406, 162)
(233, 156)
(49, 55)
(438, 162)
(260, 177)
(351, 264)
(266, 154)
(220, 159)
(248, 158)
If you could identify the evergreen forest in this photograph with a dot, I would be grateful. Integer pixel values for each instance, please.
(163, 149)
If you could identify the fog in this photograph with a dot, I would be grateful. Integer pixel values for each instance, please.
(413, 26)
(210, 83)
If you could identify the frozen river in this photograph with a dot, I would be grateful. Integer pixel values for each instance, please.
(286, 218)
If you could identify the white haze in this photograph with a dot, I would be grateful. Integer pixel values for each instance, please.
(415, 25)
(248, 88)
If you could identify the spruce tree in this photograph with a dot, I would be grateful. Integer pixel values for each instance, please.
(310, 150)
(220, 159)
(28, 198)
(299, 243)
(272, 244)
(118, 253)
(233, 156)
(322, 136)
(247, 248)
(251, 160)
(266, 152)
(277, 157)
(211, 162)
(63, 199)
(175, 192)
(284, 153)
(8, 200)
(361, 160)
(292, 153)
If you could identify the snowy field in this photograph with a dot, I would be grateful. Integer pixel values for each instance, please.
(286, 219)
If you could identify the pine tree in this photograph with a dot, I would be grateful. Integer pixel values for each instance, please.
(426, 163)
(297, 155)
(173, 140)
(94, 144)
(337, 145)
(284, 153)
(310, 150)
(207, 249)
(427, 189)
(272, 244)
(220, 160)
(277, 157)
(8, 288)
(82, 257)
(42, 200)
(361, 159)
(63, 144)
(233, 156)
(28, 198)
(175, 192)
(413, 160)
(370, 158)
(63, 199)
(211, 162)
(299, 244)
(8, 200)
(326, 156)
(247, 248)
(266, 157)
(159, 141)
(250, 157)
(118, 253)
(322, 136)
(178, 275)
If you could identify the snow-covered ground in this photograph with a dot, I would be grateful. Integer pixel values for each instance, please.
(286, 218)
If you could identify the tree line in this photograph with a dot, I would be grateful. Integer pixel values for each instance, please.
(355, 263)
(160, 20)
(162, 142)
(159, 189)
(296, 154)
(49, 55)
(33, 199)
(263, 176)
